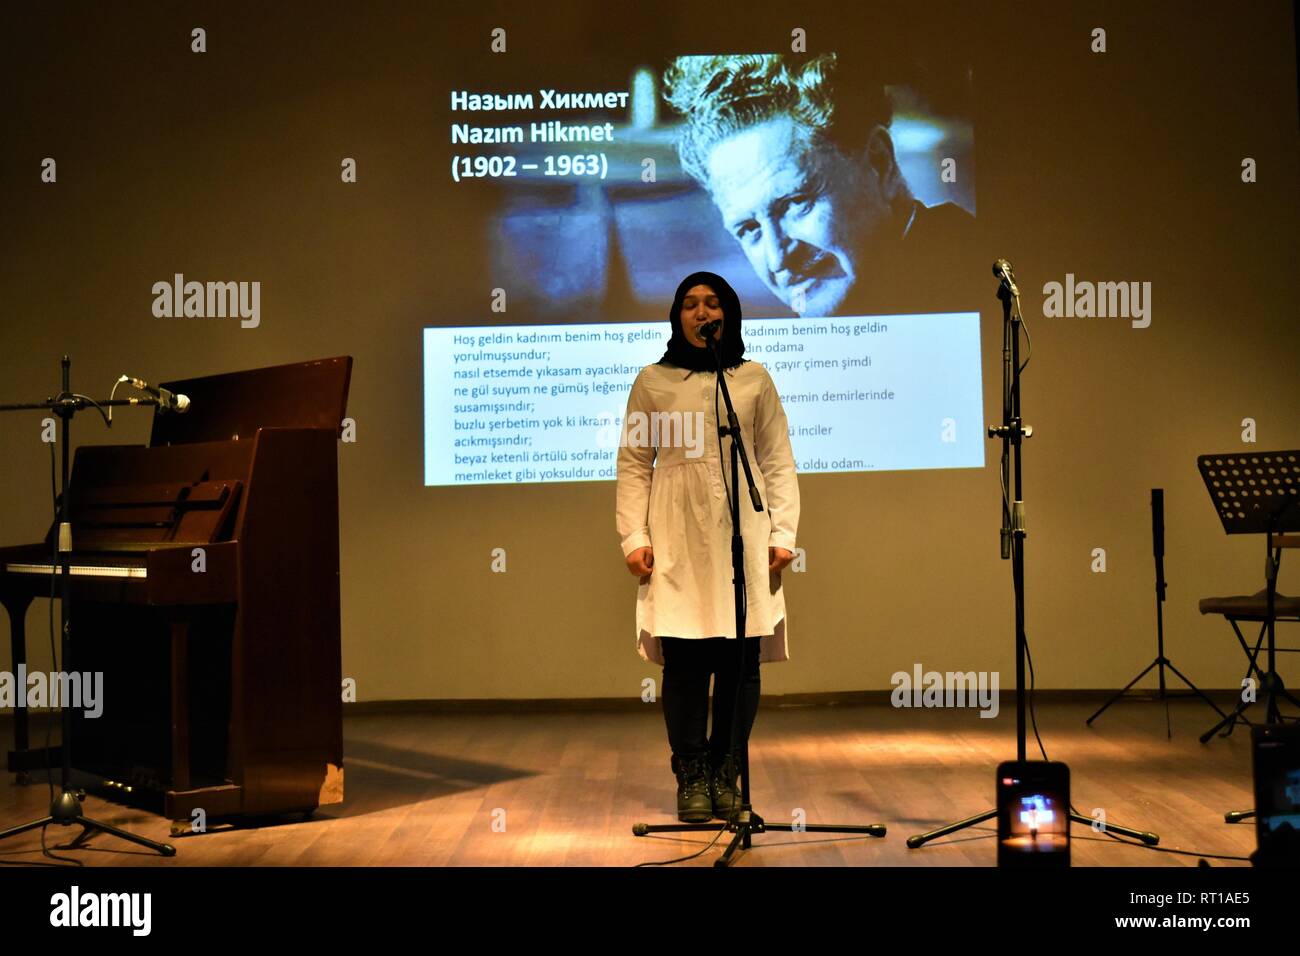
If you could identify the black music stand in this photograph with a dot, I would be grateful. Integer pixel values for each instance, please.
(1258, 493)
(744, 822)
(1160, 662)
(65, 809)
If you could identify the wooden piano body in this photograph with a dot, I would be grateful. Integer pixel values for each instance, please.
(206, 591)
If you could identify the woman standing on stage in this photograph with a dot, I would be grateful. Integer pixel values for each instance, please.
(673, 517)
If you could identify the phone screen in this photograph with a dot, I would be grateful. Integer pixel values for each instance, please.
(1277, 791)
(1033, 814)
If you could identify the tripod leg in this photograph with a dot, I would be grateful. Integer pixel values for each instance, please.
(921, 839)
(80, 838)
(166, 849)
(14, 831)
(868, 829)
(741, 838)
(1199, 693)
(1150, 839)
(1230, 719)
(1121, 693)
(1238, 816)
(1251, 655)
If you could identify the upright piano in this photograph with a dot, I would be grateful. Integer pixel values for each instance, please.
(205, 589)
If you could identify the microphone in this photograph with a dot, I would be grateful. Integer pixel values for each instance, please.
(709, 329)
(1002, 269)
(1158, 521)
(168, 401)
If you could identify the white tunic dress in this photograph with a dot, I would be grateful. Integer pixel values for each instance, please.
(672, 498)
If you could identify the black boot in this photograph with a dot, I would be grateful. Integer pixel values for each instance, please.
(723, 787)
(694, 804)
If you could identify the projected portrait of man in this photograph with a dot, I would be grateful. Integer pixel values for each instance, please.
(799, 161)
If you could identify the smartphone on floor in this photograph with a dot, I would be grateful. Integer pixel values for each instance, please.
(1033, 814)
(1276, 757)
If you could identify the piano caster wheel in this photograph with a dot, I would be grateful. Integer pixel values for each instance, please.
(22, 779)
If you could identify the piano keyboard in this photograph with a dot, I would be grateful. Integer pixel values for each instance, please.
(82, 570)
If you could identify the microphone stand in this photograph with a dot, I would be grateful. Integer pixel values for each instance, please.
(1161, 661)
(744, 822)
(1013, 432)
(65, 809)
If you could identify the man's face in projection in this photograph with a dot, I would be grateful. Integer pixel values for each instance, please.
(804, 215)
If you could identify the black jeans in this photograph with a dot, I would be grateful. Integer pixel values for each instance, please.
(688, 665)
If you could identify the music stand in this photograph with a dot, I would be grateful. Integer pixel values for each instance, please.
(1258, 493)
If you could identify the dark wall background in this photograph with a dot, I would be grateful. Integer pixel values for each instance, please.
(1117, 166)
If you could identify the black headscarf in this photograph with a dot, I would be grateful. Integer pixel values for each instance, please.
(685, 355)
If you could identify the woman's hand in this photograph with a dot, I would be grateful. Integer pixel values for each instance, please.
(777, 559)
(641, 562)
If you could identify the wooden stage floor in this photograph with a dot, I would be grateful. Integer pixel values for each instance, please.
(425, 789)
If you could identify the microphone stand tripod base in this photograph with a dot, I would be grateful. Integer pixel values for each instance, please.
(65, 810)
(745, 823)
(915, 842)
